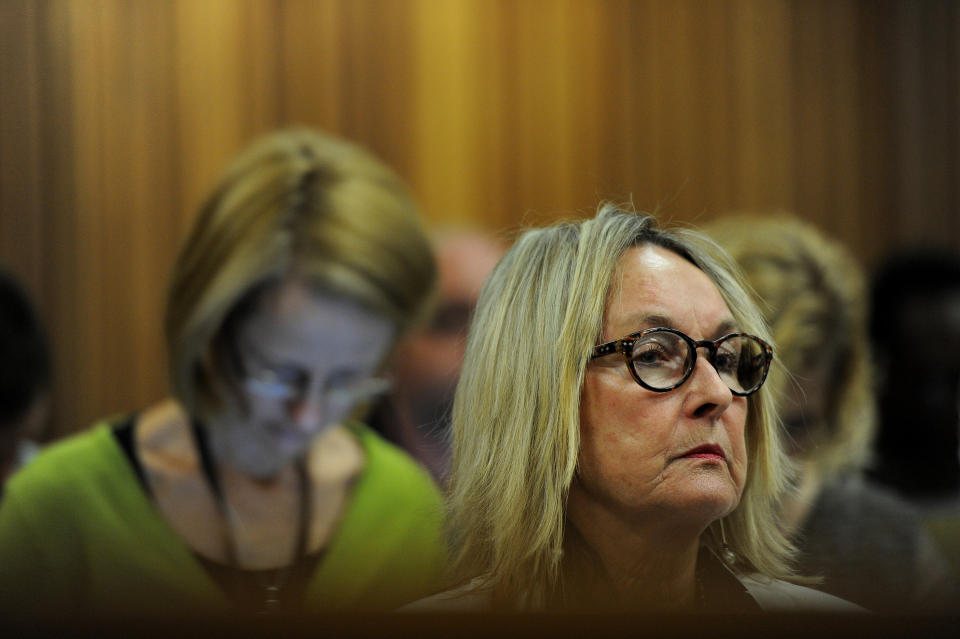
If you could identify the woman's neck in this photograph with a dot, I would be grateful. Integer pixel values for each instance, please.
(263, 515)
(648, 567)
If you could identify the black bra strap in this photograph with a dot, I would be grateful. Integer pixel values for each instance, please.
(207, 464)
(212, 476)
(123, 433)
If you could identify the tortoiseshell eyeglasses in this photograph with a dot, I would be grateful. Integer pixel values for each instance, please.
(661, 359)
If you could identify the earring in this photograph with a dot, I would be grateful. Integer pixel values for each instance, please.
(726, 554)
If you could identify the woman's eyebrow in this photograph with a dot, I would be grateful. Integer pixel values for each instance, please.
(725, 328)
(272, 360)
(642, 320)
(651, 320)
(647, 320)
(655, 319)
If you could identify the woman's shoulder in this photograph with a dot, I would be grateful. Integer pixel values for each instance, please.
(68, 460)
(394, 500)
(73, 484)
(775, 595)
(772, 595)
(473, 596)
(391, 469)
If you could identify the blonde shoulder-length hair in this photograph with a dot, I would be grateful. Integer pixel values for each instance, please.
(296, 204)
(813, 295)
(516, 416)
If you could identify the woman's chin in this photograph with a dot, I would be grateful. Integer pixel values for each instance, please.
(710, 510)
(262, 457)
(700, 508)
(261, 469)
(261, 464)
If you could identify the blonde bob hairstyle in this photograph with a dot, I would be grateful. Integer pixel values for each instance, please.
(516, 415)
(296, 204)
(813, 295)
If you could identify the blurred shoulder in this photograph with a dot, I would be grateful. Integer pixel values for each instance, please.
(391, 469)
(864, 498)
(90, 453)
(774, 595)
(70, 484)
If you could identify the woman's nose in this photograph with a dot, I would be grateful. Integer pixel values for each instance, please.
(709, 394)
(307, 411)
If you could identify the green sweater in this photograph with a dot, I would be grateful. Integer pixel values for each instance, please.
(79, 534)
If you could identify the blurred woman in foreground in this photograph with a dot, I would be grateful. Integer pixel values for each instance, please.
(614, 448)
(255, 488)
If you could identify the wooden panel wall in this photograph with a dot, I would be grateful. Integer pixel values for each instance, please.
(116, 116)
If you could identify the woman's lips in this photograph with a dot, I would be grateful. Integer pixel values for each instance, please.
(707, 451)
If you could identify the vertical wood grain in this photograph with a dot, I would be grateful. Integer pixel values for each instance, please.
(116, 116)
(21, 219)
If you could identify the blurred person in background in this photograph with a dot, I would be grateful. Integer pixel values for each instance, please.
(915, 331)
(256, 487)
(25, 377)
(869, 546)
(915, 328)
(416, 413)
(614, 446)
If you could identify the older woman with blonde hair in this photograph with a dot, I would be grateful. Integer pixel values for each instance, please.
(255, 487)
(614, 446)
(867, 544)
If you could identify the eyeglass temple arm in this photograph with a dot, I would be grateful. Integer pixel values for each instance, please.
(606, 349)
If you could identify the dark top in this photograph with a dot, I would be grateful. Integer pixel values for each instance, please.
(719, 591)
(871, 548)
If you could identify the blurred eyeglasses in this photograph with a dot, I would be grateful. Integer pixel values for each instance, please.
(288, 384)
(661, 359)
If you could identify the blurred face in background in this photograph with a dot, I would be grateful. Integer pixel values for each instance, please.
(810, 394)
(306, 359)
(428, 361)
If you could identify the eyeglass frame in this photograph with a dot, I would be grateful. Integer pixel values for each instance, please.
(361, 391)
(625, 345)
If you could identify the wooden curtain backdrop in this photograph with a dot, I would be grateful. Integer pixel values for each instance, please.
(117, 115)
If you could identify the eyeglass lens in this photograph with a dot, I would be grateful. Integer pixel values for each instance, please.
(662, 359)
(270, 385)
